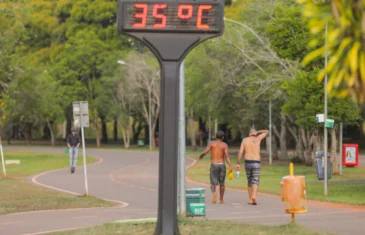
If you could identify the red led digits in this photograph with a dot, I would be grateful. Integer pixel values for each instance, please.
(142, 16)
(185, 12)
(199, 23)
(160, 16)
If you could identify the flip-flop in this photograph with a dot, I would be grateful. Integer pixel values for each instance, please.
(250, 203)
(214, 199)
(254, 201)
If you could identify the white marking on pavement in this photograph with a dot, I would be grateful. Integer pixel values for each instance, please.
(243, 212)
(112, 178)
(54, 231)
(34, 181)
(83, 217)
(8, 223)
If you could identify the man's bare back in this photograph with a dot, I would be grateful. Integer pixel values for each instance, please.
(218, 149)
(251, 146)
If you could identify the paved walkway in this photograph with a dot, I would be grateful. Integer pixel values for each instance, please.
(131, 178)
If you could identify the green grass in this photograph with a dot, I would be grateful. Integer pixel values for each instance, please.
(33, 163)
(194, 227)
(348, 188)
(17, 195)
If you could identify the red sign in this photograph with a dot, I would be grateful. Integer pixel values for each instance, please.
(172, 16)
(350, 155)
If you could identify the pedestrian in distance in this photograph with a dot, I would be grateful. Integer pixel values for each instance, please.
(73, 143)
(219, 151)
(251, 147)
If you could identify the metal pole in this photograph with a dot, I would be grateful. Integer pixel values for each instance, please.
(181, 145)
(325, 119)
(2, 157)
(149, 115)
(168, 152)
(83, 149)
(341, 140)
(270, 132)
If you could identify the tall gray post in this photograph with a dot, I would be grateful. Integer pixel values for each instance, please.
(83, 147)
(325, 119)
(341, 140)
(181, 145)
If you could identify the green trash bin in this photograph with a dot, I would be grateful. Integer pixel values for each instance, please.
(195, 202)
(140, 143)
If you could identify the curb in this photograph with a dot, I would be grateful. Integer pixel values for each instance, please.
(137, 221)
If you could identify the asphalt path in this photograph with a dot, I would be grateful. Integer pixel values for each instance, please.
(131, 179)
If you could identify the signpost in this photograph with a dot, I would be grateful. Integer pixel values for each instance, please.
(170, 29)
(81, 119)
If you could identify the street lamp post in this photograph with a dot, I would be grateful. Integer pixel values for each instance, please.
(325, 147)
(325, 117)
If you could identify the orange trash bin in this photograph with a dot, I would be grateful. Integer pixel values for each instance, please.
(293, 194)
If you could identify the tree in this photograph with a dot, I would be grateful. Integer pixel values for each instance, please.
(33, 99)
(346, 44)
(142, 84)
(305, 100)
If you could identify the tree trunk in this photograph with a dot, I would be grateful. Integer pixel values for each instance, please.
(26, 136)
(281, 135)
(104, 132)
(192, 130)
(115, 130)
(147, 135)
(283, 147)
(126, 133)
(136, 131)
(68, 126)
(275, 155)
(333, 151)
(97, 133)
(299, 148)
(51, 133)
(308, 141)
(298, 140)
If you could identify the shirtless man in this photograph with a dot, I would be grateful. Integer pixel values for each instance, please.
(218, 166)
(251, 146)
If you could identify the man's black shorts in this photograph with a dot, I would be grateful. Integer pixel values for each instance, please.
(217, 174)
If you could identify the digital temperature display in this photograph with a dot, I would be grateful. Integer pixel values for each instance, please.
(172, 16)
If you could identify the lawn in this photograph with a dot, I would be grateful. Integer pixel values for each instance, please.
(17, 195)
(348, 188)
(33, 163)
(194, 227)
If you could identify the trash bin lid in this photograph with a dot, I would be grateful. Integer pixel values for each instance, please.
(320, 154)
